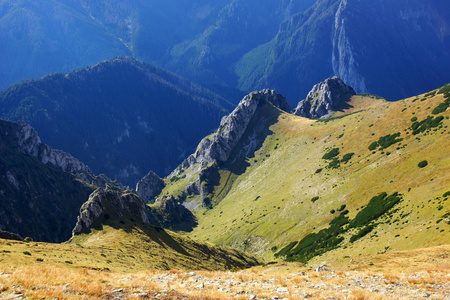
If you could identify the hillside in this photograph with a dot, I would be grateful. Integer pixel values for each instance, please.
(376, 174)
(40, 188)
(99, 114)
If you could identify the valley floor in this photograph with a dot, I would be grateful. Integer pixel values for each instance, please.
(417, 274)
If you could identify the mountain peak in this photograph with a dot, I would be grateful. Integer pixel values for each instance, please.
(324, 98)
(218, 146)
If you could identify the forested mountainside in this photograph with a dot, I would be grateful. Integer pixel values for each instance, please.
(120, 117)
(284, 45)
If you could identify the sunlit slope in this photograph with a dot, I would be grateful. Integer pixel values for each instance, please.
(130, 249)
(274, 201)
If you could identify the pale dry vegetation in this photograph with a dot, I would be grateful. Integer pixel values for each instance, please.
(391, 280)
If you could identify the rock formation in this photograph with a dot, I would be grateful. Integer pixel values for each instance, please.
(150, 186)
(110, 207)
(324, 98)
(27, 141)
(218, 146)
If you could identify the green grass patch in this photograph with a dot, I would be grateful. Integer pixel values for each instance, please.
(422, 164)
(428, 123)
(376, 207)
(347, 157)
(364, 231)
(331, 154)
(329, 238)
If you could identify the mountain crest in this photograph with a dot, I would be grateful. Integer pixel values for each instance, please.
(218, 146)
(324, 98)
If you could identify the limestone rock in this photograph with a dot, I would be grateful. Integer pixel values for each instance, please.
(325, 98)
(28, 142)
(218, 146)
(110, 206)
(150, 186)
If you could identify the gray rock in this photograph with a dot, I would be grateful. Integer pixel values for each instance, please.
(149, 187)
(321, 269)
(140, 295)
(325, 98)
(218, 146)
(104, 205)
(29, 143)
(282, 290)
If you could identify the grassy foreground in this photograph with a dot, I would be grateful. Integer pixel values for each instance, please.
(400, 275)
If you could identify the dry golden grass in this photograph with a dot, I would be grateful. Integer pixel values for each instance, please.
(291, 281)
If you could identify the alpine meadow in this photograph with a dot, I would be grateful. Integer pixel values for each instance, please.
(235, 149)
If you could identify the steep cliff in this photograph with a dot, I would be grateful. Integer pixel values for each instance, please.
(324, 98)
(239, 135)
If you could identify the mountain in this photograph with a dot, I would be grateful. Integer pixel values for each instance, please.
(41, 37)
(284, 45)
(110, 217)
(373, 177)
(121, 117)
(394, 49)
(41, 189)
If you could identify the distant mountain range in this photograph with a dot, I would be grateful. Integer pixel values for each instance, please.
(393, 49)
(121, 117)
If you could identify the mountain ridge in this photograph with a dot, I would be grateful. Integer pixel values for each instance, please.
(100, 112)
(331, 167)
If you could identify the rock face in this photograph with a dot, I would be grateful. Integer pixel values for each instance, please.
(149, 186)
(110, 207)
(324, 98)
(30, 143)
(218, 146)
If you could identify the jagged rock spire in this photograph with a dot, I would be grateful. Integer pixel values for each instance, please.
(324, 98)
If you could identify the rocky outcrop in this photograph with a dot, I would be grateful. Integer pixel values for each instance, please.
(26, 140)
(10, 236)
(30, 143)
(150, 186)
(218, 146)
(324, 98)
(110, 207)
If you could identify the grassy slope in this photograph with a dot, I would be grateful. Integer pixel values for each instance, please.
(130, 250)
(269, 205)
